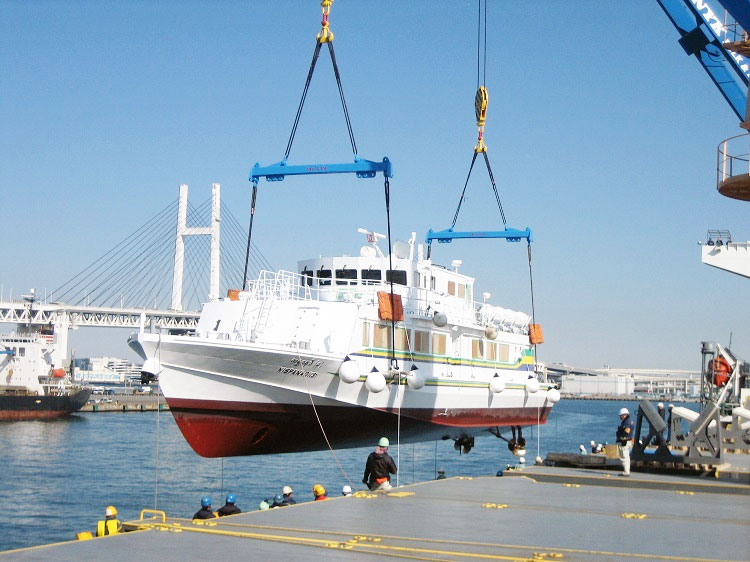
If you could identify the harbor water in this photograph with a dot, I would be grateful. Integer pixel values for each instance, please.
(58, 476)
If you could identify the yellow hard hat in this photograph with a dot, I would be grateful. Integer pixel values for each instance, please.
(110, 511)
(319, 490)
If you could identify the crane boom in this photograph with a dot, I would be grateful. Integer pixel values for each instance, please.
(702, 34)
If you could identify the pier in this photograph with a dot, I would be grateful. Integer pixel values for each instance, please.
(538, 513)
(125, 403)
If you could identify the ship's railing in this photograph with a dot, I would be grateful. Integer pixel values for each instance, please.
(418, 302)
(733, 158)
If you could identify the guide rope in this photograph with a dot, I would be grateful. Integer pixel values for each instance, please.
(320, 422)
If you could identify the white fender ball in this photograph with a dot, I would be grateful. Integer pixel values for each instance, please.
(532, 385)
(497, 384)
(553, 395)
(151, 366)
(375, 381)
(415, 379)
(349, 371)
(440, 319)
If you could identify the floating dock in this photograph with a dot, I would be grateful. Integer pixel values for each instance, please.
(538, 513)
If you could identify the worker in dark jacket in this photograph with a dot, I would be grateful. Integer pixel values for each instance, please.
(625, 435)
(205, 511)
(110, 525)
(379, 467)
(288, 499)
(229, 508)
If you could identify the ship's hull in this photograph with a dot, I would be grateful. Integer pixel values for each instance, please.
(237, 399)
(18, 407)
(220, 429)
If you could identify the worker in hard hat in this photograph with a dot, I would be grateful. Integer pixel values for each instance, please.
(229, 507)
(205, 511)
(346, 491)
(319, 492)
(625, 434)
(110, 525)
(288, 499)
(379, 467)
(276, 501)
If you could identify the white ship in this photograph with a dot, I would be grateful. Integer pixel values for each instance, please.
(296, 354)
(34, 384)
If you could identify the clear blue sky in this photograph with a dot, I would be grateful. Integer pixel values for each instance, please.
(602, 134)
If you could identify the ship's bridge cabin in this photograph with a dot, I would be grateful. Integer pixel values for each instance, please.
(355, 278)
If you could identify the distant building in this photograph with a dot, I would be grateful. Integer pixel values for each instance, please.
(105, 370)
(663, 384)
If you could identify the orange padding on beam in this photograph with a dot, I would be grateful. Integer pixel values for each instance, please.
(390, 309)
(535, 334)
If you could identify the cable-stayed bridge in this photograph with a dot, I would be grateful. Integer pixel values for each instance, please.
(157, 277)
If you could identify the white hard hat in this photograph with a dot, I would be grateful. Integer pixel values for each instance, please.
(660, 405)
(286, 490)
(624, 412)
(346, 490)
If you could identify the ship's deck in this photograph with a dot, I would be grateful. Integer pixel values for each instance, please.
(538, 513)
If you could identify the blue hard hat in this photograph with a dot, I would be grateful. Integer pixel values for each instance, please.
(206, 501)
(231, 498)
(278, 498)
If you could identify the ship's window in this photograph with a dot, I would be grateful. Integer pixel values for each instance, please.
(371, 276)
(324, 277)
(432, 282)
(365, 334)
(381, 336)
(417, 279)
(399, 277)
(401, 341)
(451, 288)
(421, 341)
(438, 344)
(22, 352)
(477, 349)
(307, 279)
(491, 351)
(346, 277)
(503, 352)
(461, 290)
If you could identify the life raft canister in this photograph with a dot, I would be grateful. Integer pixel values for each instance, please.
(719, 371)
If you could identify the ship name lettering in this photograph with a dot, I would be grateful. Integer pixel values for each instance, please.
(306, 363)
(296, 372)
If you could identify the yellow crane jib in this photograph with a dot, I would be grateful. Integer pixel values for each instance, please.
(325, 34)
(481, 100)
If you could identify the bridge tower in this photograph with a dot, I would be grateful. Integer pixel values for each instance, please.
(183, 230)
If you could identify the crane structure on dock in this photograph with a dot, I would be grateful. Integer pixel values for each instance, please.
(722, 47)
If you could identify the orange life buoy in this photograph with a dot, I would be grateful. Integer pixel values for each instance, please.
(719, 370)
(58, 373)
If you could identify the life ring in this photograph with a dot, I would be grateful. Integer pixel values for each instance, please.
(719, 371)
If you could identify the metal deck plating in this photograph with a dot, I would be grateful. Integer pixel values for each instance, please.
(538, 513)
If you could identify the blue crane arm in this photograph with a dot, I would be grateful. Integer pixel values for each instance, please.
(361, 167)
(700, 37)
(739, 10)
(448, 235)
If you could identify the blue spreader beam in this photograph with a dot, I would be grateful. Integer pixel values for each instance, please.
(361, 167)
(448, 235)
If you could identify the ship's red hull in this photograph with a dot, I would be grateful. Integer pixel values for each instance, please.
(221, 429)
